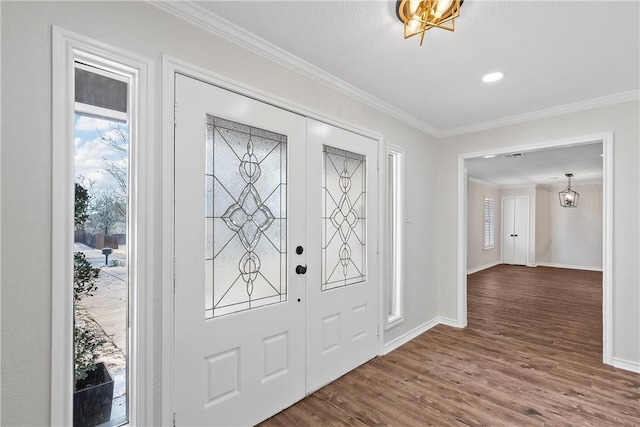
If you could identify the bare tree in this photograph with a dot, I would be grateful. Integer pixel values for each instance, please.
(107, 211)
(118, 168)
(118, 139)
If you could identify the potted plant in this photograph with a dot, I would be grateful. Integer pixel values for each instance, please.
(93, 395)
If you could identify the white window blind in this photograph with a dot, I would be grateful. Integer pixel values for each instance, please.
(489, 223)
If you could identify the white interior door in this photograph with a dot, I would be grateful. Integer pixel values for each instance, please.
(508, 240)
(520, 231)
(342, 309)
(515, 226)
(239, 209)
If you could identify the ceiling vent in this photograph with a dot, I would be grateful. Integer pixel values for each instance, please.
(513, 155)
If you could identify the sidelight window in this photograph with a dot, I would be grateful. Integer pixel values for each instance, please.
(101, 256)
(395, 233)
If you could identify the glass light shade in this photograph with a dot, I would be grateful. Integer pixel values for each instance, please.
(568, 198)
(444, 6)
(413, 7)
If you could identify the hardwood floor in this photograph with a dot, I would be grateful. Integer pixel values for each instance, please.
(530, 355)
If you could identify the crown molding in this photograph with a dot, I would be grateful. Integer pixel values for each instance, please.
(604, 101)
(482, 182)
(195, 14)
(545, 185)
(582, 182)
(209, 21)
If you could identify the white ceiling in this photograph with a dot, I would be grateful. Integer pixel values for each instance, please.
(544, 167)
(557, 55)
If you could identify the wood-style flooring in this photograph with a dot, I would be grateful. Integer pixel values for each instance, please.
(530, 355)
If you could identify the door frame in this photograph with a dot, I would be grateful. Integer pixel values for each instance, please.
(171, 66)
(607, 140)
(526, 263)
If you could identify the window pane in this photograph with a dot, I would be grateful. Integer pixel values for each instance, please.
(100, 91)
(343, 218)
(391, 193)
(100, 271)
(245, 215)
(395, 236)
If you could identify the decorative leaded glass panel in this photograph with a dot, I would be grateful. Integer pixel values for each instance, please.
(245, 217)
(343, 218)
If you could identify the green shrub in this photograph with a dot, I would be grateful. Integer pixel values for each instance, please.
(88, 342)
(84, 277)
(87, 339)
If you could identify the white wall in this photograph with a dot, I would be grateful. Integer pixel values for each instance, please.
(26, 171)
(477, 255)
(569, 237)
(624, 120)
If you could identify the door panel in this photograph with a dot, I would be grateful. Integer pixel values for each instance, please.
(508, 242)
(239, 322)
(521, 219)
(341, 231)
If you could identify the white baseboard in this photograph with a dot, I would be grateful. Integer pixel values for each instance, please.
(447, 322)
(408, 336)
(484, 267)
(627, 365)
(573, 267)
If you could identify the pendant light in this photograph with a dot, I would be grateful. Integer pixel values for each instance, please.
(568, 197)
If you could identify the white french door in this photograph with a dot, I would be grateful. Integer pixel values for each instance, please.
(239, 338)
(275, 245)
(515, 230)
(342, 299)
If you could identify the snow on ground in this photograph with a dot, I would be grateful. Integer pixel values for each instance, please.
(108, 308)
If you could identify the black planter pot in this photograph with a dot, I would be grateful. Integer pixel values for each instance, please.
(93, 398)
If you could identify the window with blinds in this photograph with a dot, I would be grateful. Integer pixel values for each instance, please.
(489, 223)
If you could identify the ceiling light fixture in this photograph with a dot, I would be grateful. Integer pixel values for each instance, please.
(568, 197)
(418, 16)
(492, 77)
(489, 156)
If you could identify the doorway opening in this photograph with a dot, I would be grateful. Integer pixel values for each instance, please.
(601, 148)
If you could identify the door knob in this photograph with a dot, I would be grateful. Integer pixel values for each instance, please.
(301, 269)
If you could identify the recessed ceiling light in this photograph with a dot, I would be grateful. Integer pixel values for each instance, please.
(489, 156)
(492, 77)
(601, 155)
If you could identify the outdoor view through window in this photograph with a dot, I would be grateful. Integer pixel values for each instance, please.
(100, 271)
